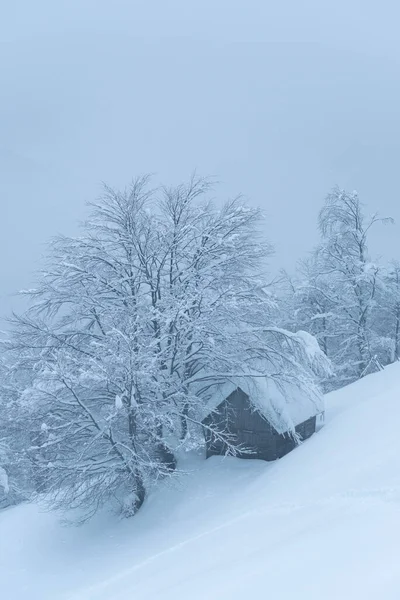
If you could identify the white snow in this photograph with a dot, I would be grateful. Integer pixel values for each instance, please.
(322, 523)
(118, 403)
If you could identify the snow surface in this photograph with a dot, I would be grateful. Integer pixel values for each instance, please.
(321, 523)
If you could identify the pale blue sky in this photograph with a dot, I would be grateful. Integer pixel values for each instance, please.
(278, 100)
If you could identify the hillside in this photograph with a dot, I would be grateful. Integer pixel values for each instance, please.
(323, 522)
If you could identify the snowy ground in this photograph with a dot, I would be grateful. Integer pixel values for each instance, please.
(323, 522)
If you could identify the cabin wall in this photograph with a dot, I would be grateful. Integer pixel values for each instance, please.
(261, 445)
(285, 443)
(249, 430)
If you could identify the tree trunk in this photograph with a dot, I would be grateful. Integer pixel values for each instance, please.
(140, 492)
(163, 452)
(184, 422)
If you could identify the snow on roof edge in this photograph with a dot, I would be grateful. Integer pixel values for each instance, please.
(284, 404)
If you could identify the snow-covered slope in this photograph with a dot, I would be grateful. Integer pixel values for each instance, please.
(323, 522)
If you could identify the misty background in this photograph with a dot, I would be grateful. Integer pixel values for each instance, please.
(277, 100)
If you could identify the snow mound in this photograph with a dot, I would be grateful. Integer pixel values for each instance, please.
(323, 522)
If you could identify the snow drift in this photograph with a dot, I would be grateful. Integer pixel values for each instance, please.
(323, 522)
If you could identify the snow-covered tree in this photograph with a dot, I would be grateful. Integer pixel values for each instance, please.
(15, 471)
(386, 315)
(4, 483)
(340, 296)
(354, 278)
(131, 328)
(307, 301)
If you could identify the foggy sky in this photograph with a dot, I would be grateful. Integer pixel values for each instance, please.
(279, 103)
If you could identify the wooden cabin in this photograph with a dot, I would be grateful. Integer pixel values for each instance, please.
(260, 429)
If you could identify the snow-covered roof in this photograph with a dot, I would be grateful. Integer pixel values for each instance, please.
(285, 404)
